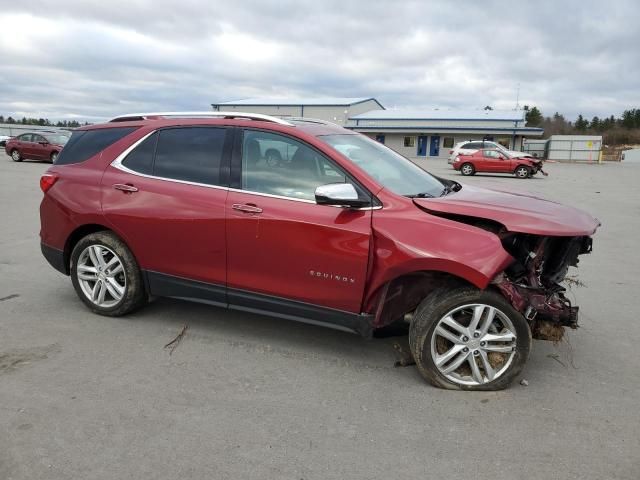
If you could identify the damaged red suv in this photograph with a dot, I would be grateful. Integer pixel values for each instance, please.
(342, 232)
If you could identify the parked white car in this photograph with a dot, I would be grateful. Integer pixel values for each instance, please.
(468, 147)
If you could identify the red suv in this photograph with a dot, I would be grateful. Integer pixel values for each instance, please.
(36, 146)
(342, 232)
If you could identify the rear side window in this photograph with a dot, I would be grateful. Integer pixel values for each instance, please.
(86, 143)
(141, 158)
(191, 154)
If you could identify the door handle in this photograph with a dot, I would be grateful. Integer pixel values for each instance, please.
(246, 208)
(126, 188)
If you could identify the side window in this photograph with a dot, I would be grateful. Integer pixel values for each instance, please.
(37, 138)
(26, 137)
(491, 154)
(297, 173)
(84, 144)
(191, 154)
(140, 159)
(472, 146)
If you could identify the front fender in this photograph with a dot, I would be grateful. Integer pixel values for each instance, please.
(432, 244)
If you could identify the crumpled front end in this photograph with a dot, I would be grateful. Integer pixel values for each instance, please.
(533, 282)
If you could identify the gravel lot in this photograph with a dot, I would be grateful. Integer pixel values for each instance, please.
(250, 397)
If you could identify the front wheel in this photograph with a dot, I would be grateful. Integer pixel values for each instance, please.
(523, 172)
(15, 156)
(106, 276)
(469, 339)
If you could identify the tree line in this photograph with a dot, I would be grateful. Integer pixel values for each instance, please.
(624, 129)
(43, 122)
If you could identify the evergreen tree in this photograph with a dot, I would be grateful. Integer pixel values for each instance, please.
(581, 124)
(595, 124)
(533, 117)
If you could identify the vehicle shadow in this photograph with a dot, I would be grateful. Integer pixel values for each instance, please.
(211, 325)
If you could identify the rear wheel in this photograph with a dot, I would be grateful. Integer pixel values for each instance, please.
(523, 172)
(15, 155)
(467, 169)
(106, 276)
(469, 339)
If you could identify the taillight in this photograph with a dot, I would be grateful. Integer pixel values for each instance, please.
(47, 180)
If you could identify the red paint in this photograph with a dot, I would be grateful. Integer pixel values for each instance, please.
(32, 150)
(492, 161)
(322, 255)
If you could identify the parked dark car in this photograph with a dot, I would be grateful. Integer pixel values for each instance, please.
(36, 146)
(347, 234)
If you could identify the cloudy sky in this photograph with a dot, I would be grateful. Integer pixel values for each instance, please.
(74, 59)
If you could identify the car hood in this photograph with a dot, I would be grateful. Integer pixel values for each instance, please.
(522, 213)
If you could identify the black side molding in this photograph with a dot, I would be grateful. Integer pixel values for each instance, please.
(163, 285)
(55, 258)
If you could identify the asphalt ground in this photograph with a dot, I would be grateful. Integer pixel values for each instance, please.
(250, 397)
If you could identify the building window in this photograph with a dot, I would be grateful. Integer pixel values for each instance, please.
(409, 141)
(448, 142)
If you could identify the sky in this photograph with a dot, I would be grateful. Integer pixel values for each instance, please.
(90, 60)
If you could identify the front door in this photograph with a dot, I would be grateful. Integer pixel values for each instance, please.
(422, 145)
(434, 148)
(39, 147)
(282, 246)
(169, 207)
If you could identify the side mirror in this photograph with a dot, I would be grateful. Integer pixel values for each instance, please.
(340, 195)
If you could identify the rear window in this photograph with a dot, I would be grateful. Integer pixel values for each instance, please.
(86, 143)
(190, 153)
(141, 158)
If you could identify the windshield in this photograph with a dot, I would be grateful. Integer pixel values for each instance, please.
(56, 139)
(390, 169)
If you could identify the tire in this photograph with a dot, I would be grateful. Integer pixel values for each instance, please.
(522, 172)
(273, 158)
(434, 354)
(53, 157)
(15, 155)
(467, 169)
(104, 289)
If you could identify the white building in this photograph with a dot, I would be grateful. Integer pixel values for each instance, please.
(412, 133)
(336, 110)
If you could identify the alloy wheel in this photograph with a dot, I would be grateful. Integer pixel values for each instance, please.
(101, 276)
(473, 344)
(15, 155)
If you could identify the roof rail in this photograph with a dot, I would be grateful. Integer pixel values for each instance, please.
(312, 120)
(250, 116)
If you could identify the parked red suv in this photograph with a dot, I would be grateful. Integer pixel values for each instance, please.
(36, 146)
(494, 161)
(342, 232)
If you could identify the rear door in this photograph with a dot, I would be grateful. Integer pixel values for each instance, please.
(281, 245)
(23, 144)
(166, 197)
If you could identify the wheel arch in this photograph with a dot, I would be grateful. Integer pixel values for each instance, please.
(78, 234)
(401, 294)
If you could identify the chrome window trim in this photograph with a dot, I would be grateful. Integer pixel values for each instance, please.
(117, 163)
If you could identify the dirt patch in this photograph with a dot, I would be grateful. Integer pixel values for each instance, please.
(544, 330)
(14, 359)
